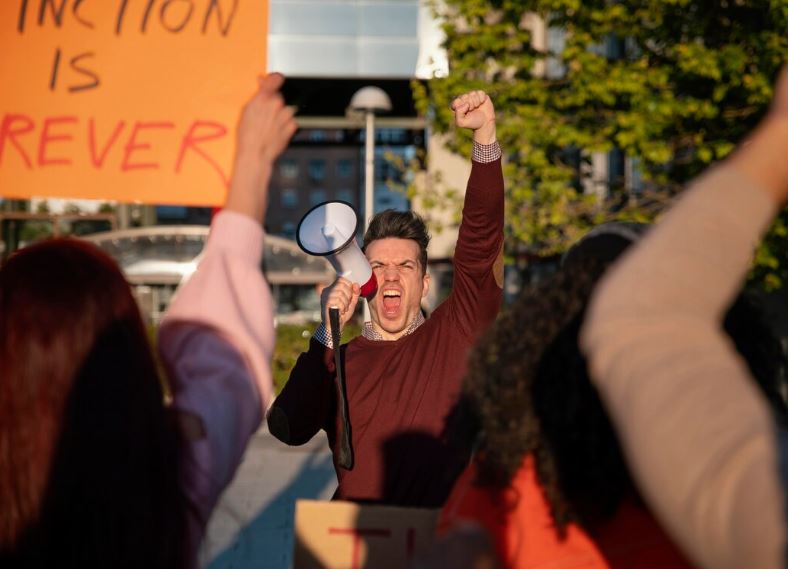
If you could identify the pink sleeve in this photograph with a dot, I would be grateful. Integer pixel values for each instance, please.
(216, 341)
(229, 294)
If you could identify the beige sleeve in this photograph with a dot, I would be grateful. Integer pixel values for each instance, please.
(698, 435)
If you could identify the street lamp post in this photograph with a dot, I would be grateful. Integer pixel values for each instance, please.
(369, 100)
(369, 167)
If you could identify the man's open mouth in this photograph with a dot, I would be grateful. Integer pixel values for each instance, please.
(391, 300)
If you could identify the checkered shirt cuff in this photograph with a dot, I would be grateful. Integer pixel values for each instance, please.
(485, 153)
(322, 336)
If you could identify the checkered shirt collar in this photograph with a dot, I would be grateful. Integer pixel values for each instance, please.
(370, 333)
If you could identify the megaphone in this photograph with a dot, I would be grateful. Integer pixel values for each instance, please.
(329, 230)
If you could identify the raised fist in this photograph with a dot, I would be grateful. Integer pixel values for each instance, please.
(475, 111)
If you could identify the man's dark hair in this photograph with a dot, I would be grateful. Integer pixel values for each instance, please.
(403, 225)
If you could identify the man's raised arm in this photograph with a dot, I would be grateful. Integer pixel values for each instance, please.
(478, 257)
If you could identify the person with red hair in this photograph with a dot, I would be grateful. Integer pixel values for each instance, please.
(87, 453)
(95, 470)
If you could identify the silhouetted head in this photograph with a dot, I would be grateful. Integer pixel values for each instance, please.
(88, 456)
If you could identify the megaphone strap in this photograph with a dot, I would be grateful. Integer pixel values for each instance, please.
(345, 459)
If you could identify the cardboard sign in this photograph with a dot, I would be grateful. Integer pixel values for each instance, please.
(130, 100)
(344, 535)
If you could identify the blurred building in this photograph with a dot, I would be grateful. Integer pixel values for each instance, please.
(328, 50)
(326, 162)
(156, 258)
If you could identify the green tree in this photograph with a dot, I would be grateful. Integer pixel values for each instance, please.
(33, 231)
(671, 84)
(434, 195)
(291, 340)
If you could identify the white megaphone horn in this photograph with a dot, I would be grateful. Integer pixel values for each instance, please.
(329, 230)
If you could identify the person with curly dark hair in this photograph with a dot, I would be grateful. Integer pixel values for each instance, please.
(709, 459)
(549, 480)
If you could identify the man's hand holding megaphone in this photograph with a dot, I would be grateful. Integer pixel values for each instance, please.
(329, 230)
(343, 295)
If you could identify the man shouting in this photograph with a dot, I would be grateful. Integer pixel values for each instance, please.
(403, 374)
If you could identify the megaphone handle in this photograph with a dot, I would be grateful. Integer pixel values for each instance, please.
(345, 444)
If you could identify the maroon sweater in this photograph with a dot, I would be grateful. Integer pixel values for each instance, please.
(400, 392)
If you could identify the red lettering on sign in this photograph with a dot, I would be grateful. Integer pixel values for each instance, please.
(98, 160)
(9, 132)
(410, 538)
(357, 534)
(144, 145)
(132, 146)
(46, 138)
(191, 140)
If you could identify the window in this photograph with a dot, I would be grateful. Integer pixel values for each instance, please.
(392, 135)
(388, 172)
(317, 135)
(346, 196)
(289, 229)
(634, 178)
(317, 170)
(289, 199)
(171, 212)
(288, 168)
(344, 168)
(317, 197)
(556, 42)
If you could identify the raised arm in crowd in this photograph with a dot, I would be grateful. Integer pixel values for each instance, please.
(699, 437)
(217, 336)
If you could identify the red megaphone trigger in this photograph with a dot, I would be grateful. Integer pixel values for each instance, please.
(369, 288)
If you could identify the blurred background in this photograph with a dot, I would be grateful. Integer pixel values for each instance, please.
(604, 109)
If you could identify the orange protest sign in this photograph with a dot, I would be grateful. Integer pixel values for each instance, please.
(129, 100)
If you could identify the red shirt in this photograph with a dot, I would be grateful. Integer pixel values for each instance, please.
(519, 520)
(401, 392)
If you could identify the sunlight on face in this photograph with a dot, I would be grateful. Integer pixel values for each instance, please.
(401, 285)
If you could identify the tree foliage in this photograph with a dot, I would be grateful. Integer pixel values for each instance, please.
(672, 84)
(291, 341)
